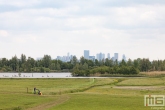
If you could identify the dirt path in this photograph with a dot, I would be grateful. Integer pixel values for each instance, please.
(141, 87)
(44, 106)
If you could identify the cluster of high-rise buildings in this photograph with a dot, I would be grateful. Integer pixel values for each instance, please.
(99, 56)
(87, 56)
(66, 58)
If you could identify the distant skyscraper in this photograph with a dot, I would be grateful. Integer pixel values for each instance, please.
(65, 58)
(108, 56)
(100, 56)
(92, 58)
(124, 58)
(86, 54)
(68, 57)
(116, 57)
(97, 57)
(59, 58)
(112, 58)
(71, 57)
(103, 56)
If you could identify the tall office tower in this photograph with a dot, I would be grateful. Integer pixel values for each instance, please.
(86, 54)
(112, 58)
(68, 54)
(59, 58)
(103, 56)
(116, 56)
(68, 57)
(64, 58)
(97, 57)
(100, 56)
(124, 57)
(108, 56)
(71, 57)
(92, 58)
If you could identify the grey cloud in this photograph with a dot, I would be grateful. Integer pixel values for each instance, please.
(69, 22)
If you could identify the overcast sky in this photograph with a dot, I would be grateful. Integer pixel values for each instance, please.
(135, 28)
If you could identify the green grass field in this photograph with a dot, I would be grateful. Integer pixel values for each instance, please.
(79, 94)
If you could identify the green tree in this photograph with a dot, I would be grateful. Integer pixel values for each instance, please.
(82, 60)
(129, 62)
(23, 58)
(96, 62)
(74, 60)
(123, 63)
(134, 70)
(85, 66)
(58, 67)
(108, 62)
(14, 63)
(53, 66)
(46, 61)
(145, 65)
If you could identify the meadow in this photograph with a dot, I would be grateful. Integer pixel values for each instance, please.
(79, 94)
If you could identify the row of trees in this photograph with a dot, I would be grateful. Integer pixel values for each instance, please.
(79, 70)
(23, 64)
(80, 67)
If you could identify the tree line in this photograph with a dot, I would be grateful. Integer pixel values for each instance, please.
(82, 67)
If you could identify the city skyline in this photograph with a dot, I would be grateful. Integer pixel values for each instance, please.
(39, 27)
(99, 56)
(69, 56)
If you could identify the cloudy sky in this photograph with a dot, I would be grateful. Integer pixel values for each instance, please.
(135, 28)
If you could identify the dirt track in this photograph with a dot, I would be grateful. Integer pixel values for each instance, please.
(44, 106)
(141, 87)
